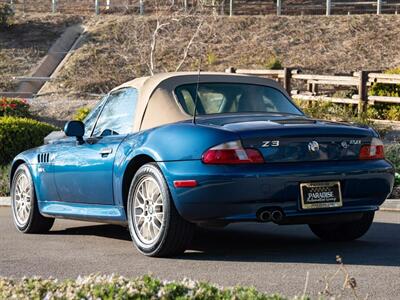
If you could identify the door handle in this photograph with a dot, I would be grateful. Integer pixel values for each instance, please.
(106, 151)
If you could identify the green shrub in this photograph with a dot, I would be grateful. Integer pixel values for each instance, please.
(6, 16)
(115, 287)
(392, 153)
(4, 180)
(383, 89)
(397, 179)
(273, 63)
(14, 107)
(19, 134)
(81, 113)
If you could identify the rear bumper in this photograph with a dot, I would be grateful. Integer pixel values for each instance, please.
(236, 193)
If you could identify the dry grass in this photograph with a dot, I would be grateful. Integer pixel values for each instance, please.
(28, 41)
(117, 48)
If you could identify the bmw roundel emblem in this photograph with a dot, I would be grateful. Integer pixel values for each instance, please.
(313, 146)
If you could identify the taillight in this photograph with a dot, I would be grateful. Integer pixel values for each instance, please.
(373, 151)
(232, 153)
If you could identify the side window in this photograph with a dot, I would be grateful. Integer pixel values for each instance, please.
(91, 118)
(118, 113)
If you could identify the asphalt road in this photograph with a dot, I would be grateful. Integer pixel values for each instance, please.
(269, 257)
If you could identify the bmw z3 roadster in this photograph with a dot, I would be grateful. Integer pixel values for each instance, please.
(165, 153)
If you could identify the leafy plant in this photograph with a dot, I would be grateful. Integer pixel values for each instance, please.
(384, 89)
(211, 58)
(81, 113)
(116, 287)
(397, 179)
(14, 107)
(392, 153)
(273, 63)
(19, 134)
(6, 15)
(4, 180)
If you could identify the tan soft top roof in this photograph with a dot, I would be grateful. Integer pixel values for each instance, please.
(159, 89)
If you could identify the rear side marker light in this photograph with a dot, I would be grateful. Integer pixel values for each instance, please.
(185, 183)
(232, 153)
(373, 151)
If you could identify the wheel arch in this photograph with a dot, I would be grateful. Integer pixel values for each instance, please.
(133, 166)
(14, 168)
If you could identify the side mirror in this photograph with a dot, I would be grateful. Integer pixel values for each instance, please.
(75, 128)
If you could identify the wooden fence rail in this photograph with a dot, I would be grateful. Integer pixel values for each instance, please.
(361, 80)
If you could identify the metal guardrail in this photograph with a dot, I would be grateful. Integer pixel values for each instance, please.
(362, 80)
(231, 7)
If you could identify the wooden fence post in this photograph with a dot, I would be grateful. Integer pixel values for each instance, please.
(287, 78)
(328, 7)
(378, 7)
(363, 93)
(278, 7)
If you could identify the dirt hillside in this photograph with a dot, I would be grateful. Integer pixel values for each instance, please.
(117, 48)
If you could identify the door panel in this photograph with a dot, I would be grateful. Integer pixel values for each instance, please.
(84, 174)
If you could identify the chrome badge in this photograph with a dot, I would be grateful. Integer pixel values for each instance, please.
(266, 144)
(313, 146)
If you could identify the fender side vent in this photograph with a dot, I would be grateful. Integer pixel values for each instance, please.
(43, 158)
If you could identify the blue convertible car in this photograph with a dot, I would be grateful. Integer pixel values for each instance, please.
(165, 153)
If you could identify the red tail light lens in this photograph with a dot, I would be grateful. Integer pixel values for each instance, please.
(232, 153)
(373, 151)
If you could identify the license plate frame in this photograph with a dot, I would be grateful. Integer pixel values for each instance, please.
(326, 194)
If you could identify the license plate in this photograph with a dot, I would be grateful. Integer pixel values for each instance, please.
(316, 195)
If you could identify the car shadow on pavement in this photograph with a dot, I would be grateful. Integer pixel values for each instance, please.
(103, 230)
(252, 242)
(295, 244)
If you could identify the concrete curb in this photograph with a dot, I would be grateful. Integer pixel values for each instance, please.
(388, 205)
(391, 205)
(5, 201)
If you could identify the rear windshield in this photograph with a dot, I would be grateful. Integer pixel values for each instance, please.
(218, 98)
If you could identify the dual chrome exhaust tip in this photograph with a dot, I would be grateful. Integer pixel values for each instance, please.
(270, 214)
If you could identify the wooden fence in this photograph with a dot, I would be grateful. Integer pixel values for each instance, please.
(222, 7)
(361, 80)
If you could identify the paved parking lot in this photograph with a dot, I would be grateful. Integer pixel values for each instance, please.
(272, 258)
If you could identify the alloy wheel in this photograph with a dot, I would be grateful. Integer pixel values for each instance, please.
(148, 210)
(22, 200)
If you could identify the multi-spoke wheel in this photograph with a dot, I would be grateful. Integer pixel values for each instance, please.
(27, 217)
(156, 227)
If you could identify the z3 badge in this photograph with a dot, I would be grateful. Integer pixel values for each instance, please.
(266, 144)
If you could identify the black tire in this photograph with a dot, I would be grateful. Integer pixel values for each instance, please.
(342, 232)
(35, 223)
(175, 233)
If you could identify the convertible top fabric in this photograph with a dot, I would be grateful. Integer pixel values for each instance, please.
(157, 105)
